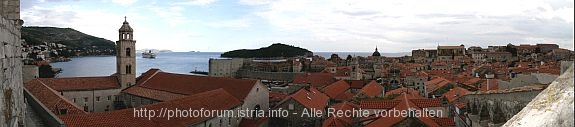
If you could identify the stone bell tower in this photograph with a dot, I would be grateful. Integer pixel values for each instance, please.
(126, 56)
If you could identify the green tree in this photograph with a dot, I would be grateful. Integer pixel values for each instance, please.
(45, 71)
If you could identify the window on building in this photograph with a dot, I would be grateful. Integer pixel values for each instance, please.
(97, 98)
(85, 99)
(63, 111)
(74, 100)
(109, 97)
(128, 69)
(85, 108)
(128, 52)
(290, 106)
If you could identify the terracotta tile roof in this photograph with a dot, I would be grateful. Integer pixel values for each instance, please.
(493, 85)
(436, 84)
(356, 84)
(146, 75)
(152, 93)
(336, 88)
(335, 121)
(444, 122)
(81, 83)
(411, 93)
(378, 104)
(372, 89)
(275, 96)
(455, 93)
(309, 99)
(192, 84)
(51, 98)
(344, 96)
(343, 71)
(426, 103)
(217, 99)
(253, 122)
(460, 105)
(404, 104)
(472, 81)
(314, 79)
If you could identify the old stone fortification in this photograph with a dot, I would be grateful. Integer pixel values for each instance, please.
(553, 107)
(488, 109)
(524, 80)
(11, 95)
(278, 76)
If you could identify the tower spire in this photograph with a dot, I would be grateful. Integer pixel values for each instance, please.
(125, 20)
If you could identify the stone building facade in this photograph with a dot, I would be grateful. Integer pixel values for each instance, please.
(225, 67)
(11, 96)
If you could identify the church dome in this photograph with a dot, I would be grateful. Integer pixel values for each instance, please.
(376, 53)
(126, 27)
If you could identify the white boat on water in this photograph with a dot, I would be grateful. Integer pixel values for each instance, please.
(149, 54)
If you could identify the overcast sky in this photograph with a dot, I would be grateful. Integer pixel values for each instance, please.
(317, 25)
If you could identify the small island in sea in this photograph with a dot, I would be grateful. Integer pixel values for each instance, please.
(274, 50)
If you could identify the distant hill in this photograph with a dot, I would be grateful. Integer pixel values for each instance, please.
(274, 50)
(73, 39)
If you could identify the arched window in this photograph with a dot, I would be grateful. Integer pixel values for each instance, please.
(128, 52)
(128, 69)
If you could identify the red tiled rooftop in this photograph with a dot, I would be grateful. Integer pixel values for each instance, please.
(491, 84)
(274, 96)
(372, 89)
(426, 103)
(191, 84)
(344, 96)
(455, 93)
(51, 98)
(404, 104)
(410, 92)
(436, 83)
(152, 93)
(378, 104)
(81, 83)
(335, 121)
(444, 122)
(336, 88)
(356, 84)
(314, 79)
(311, 99)
(218, 99)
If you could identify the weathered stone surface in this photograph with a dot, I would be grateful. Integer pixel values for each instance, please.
(552, 107)
(11, 95)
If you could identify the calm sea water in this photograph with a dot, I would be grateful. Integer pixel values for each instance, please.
(175, 62)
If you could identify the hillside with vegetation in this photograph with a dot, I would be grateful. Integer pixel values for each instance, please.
(72, 42)
(274, 50)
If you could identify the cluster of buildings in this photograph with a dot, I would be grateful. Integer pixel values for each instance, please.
(429, 88)
(113, 100)
(429, 79)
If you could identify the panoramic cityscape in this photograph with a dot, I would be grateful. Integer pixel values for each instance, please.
(286, 63)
